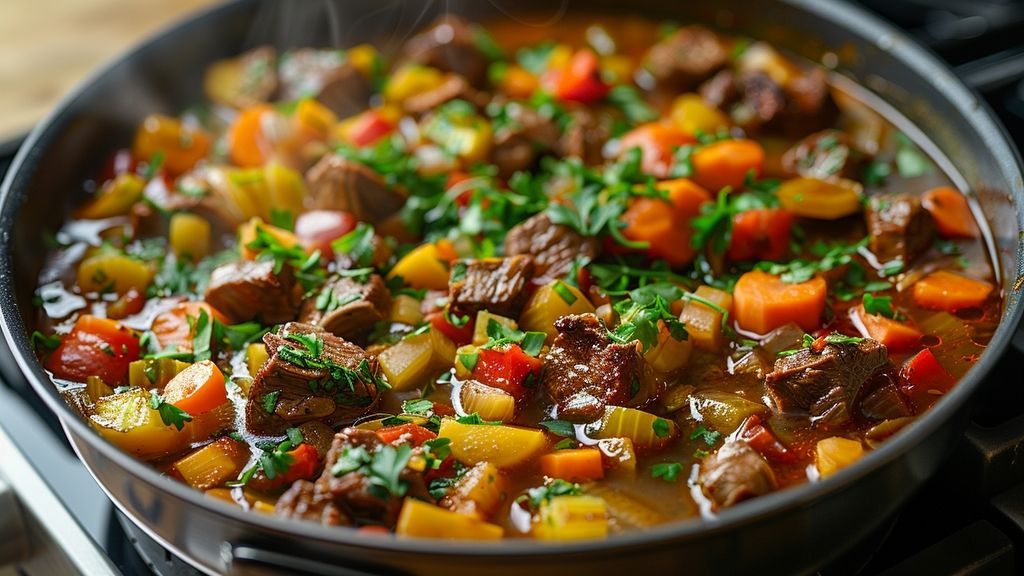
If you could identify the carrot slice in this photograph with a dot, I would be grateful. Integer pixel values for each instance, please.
(172, 328)
(947, 291)
(763, 302)
(657, 143)
(949, 209)
(727, 163)
(666, 226)
(197, 389)
(895, 335)
(581, 464)
(247, 145)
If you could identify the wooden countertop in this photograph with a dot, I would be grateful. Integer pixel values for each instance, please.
(48, 46)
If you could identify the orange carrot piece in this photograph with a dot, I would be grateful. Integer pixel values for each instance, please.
(518, 82)
(579, 464)
(949, 209)
(947, 291)
(666, 226)
(727, 163)
(197, 389)
(763, 302)
(247, 145)
(657, 142)
(171, 328)
(181, 145)
(895, 335)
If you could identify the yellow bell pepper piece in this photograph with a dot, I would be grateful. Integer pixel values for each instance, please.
(424, 520)
(405, 310)
(364, 58)
(483, 318)
(501, 445)
(255, 357)
(572, 518)
(410, 80)
(835, 453)
(189, 236)
(423, 268)
(128, 422)
(115, 198)
(315, 117)
(690, 113)
(415, 360)
(551, 302)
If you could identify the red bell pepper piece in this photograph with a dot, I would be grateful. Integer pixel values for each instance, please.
(761, 439)
(460, 335)
(507, 369)
(923, 373)
(370, 127)
(305, 464)
(760, 234)
(95, 347)
(581, 80)
(411, 433)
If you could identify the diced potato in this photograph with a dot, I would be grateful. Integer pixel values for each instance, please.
(189, 236)
(286, 190)
(109, 270)
(115, 198)
(128, 422)
(572, 518)
(833, 454)
(255, 356)
(150, 373)
(490, 403)
(668, 354)
(691, 114)
(213, 464)
(96, 388)
(424, 520)
(406, 310)
(501, 445)
(811, 198)
(723, 411)
(483, 318)
(549, 303)
(619, 455)
(645, 429)
(424, 267)
(479, 492)
(626, 510)
(410, 80)
(704, 323)
(414, 361)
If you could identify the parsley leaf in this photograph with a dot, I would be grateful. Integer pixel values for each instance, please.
(643, 313)
(40, 340)
(708, 436)
(475, 419)
(661, 428)
(560, 428)
(634, 108)
(557, 487)
(501, 336)
(667, 471)
(881, 305)
(358, 245)
(170, 414)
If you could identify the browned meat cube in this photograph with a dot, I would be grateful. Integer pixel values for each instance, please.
(454, 87)
(686, 58)
(249, 290)
(899, 227)
(326, 75)
(449, 45)
(497, 285)
(756, 101)
(311, 375)
(585, 137)
(339, 184)
(345, 496)
(518, 144)
(554, 247)
(734, 473)
(825, 384)
(823, 155)
(348, 308)
(584, 371)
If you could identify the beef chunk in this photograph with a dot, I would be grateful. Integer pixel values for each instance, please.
(349, 497)
(518, 143)
(554, 247)
(584, 371)
(885, 401)
(339, 184)
(449, 45)
(497, 285)
(720, 90)
(249, 290)
(585, 137)
(453, 87)
(899, 227)
(734, 473)
(327, 75)
(825, 384)
(755, 101)
(348, 308)
(336, 385)
(822, 155)
(687, 58)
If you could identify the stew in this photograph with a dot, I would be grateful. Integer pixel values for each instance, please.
(514, 282)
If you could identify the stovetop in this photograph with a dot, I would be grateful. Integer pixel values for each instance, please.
(967, 521)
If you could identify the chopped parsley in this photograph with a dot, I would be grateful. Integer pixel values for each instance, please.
(419, 406)
(628, 99)
(382, 468)
(469, 360)
(42, 341)
(661, 428)
(501, 335)
(311, 355)
(564, 292)
(358, 244)
(708, 436)
(270, 401)
(475, 419)
(557, 487)
(910, 162)
(642, 314)
(274, 459)
(667, 471)
(560, 428)
(880, 305)
(816, 345)
(801, 270)
(170, 414)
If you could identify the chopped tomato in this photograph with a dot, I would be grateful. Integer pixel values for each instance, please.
(507, 369)
(131, 302)
(657, 143)
(369, 127)
(412, 433)
(316, 229)
(305, 464)
(95, 347)
(581, 80)
(760, 234)
(761, 439)
(458, 334)
(173, 327)
(923, 374)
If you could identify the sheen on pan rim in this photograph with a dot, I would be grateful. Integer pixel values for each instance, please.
(884, 37)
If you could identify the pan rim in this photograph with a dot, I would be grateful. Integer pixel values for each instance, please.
(852, 18)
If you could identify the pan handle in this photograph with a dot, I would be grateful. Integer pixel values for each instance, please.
(249, 560)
